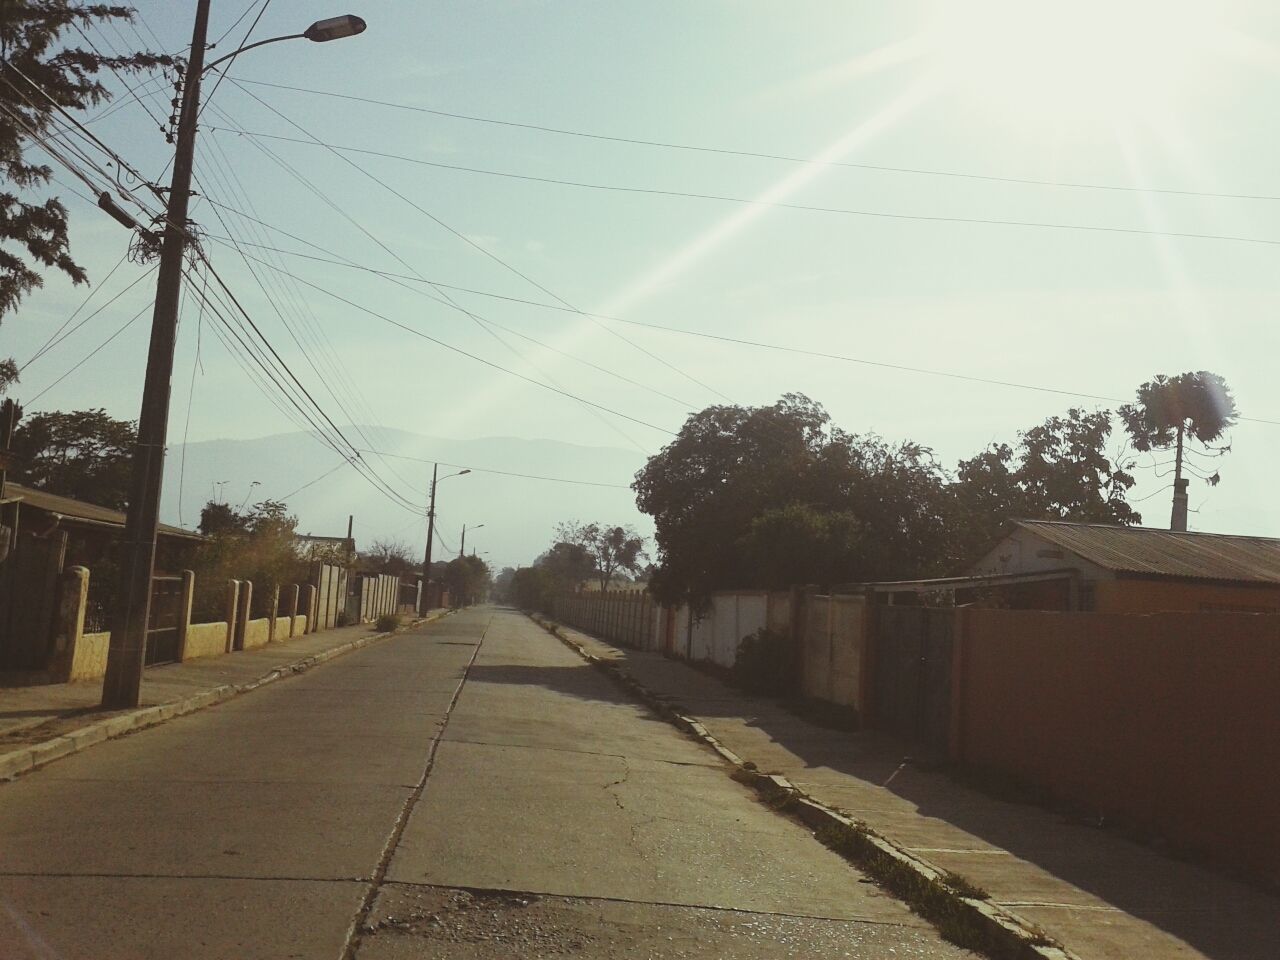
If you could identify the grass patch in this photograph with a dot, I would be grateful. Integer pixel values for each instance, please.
(388, 622)
(936, 901)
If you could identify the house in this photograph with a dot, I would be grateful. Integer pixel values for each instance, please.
(1143, 569)
(90, 529)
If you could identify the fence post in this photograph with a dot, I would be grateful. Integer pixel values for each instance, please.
(233, 605)
(273, 613)
(185, 601)
(73, 598)
(306, 605)
(291, 604)
(243, 611)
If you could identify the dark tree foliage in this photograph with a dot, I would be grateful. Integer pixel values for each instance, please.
(755, 477)
(1059, 470)
(84, 454)
(39, 45)
(388, 556)
(613, 550)
(467, 579)
(257, 545)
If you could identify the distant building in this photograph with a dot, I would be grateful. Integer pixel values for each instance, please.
(1118, 569)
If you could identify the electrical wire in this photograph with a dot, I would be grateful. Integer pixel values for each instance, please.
(481, 249)
(93, 291)
(779, 204)
(55, 342)
(94, 352)
(507, 473)
(672, 145)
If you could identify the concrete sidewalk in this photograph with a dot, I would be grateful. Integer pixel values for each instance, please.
(36, 715)
(1097, 894)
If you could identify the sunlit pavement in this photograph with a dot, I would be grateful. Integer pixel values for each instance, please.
(384, 806)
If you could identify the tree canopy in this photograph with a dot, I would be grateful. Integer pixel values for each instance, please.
(767, 497)
(612, 550)
(84, 454)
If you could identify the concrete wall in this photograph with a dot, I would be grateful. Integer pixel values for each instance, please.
(299, 625)
(1167, 720)
(257, 633)
(835, 650)
(89, 661)
(205, 640)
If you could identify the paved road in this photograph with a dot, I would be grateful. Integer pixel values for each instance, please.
(469, 790)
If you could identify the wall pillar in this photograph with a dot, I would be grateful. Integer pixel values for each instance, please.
(242, 613)
(291, 604)
(273, 614)
(184, 611)
(307, 593)
(233, 606)
(73, 598)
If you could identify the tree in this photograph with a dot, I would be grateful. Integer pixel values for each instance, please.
(731, 467)
(85, 455)
(40, 72)
(258, 545)
(613, 550)
(800, 544)
(568, 564)
(388, 556)
(1189, 412)
(532, 588)
(467, 579)
(502, 585)
(1060, 470)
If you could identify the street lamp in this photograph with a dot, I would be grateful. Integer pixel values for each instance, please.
(322, 31)
(424, 597)
(122, 684)
(463, 548)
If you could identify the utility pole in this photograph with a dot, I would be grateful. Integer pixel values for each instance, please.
(123, 682)
(424, 601)
(463, 548)
(1178, 519)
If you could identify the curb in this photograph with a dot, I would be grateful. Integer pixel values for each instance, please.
(928, 890)
(25, 759)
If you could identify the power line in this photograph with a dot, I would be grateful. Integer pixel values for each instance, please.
(55, 341)
(484, 323)
(481, 249)
(93, 291)
(294, 493)
(780, 204)
(507, 473)
(672, 145)
(94, 352)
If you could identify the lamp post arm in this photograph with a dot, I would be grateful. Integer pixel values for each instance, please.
(233, 53)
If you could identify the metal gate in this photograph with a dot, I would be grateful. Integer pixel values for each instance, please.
(162, 624)
(912, 678)
(30, 579)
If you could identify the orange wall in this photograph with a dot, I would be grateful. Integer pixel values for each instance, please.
(1154, 596)
(1169, 720)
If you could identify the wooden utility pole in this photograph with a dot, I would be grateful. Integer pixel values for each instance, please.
(123, 682)
(424, 598)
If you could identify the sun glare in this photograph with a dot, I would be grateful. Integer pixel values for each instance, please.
(1068, 62)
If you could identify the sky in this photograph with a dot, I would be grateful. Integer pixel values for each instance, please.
(1050, 164)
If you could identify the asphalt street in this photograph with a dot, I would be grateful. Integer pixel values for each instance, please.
(470, 789)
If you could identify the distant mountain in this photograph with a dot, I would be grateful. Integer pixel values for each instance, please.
(519, 515)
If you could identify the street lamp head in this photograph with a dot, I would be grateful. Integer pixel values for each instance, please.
(464, 471)
(335, 28)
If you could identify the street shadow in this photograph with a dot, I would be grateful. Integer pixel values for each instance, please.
(1222, 917)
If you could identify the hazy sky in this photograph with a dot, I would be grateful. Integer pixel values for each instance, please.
(1174, 97)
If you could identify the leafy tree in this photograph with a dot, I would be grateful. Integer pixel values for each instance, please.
(1059, 470)
(84, 454)
(257, 545)
(388, 556)
(467, 579)
(568, 564)
(799, 544)
(532, 588)
(502, 589)
(33, 50)
(613, 550)
(1188, 412)
(732, 466)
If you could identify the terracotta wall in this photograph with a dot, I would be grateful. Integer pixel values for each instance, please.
(1169, 720)
(1155, 596)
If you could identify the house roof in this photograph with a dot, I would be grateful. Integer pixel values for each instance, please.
(1146, 551)
(73, 511)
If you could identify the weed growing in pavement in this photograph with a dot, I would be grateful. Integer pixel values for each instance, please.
(388, 622)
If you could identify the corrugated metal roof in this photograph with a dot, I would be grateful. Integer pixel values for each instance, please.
(1166, 553)
(79, 510)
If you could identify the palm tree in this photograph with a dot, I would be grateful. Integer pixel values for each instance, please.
(1173, 411)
